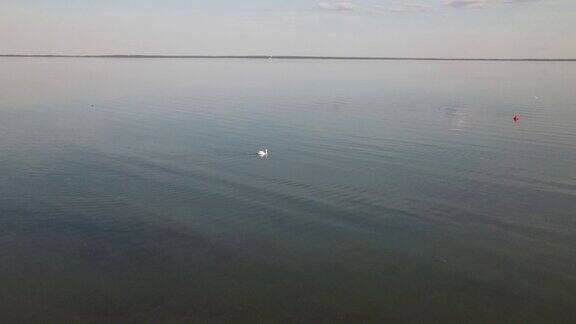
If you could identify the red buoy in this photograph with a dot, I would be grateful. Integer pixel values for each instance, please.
(516, 118)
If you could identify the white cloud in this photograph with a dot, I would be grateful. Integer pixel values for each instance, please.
(338, 6)
(478, 4)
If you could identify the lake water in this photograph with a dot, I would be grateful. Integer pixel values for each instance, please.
(393, 191)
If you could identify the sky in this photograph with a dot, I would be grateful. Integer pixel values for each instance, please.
(419, 28)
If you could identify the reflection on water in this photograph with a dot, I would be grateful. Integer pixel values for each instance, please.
(398, 191)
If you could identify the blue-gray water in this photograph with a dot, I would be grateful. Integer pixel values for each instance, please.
(394, 191)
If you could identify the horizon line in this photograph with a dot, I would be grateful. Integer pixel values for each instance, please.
(300, 57)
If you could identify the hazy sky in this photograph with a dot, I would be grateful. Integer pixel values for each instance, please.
(452, 28)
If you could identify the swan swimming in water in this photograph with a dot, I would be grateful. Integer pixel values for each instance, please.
(263, 153)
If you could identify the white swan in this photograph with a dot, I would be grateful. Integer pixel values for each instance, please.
(263, 153)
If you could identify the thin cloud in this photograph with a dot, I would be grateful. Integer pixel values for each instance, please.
(470, 4)
(479, 4)
(410, 7)
(377, 9)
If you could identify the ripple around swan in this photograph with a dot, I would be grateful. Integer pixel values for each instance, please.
(135, 195)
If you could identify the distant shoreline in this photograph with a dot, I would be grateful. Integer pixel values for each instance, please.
(296, 57)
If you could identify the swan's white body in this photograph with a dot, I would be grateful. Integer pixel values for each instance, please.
(263, 153)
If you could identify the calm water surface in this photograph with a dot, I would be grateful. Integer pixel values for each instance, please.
(394, 191)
